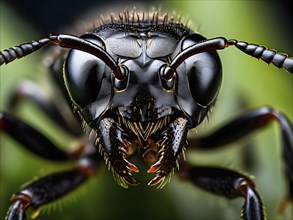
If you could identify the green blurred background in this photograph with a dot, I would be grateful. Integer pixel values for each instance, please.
(264, 22)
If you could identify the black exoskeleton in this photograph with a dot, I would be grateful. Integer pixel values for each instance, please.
(138, 84)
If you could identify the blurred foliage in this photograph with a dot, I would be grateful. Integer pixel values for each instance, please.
(245, 80)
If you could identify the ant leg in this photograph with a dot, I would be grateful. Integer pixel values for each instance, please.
(49, 188)
(248, 152)
(33, 140)
(245, 125)
(227, 183)
(52, 187)
(31, 91)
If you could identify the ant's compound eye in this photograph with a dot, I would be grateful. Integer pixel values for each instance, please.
(204, 72)
(84, 73)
